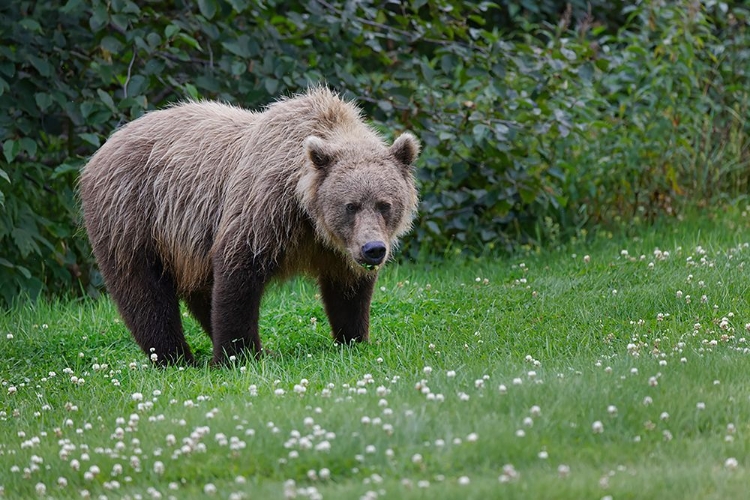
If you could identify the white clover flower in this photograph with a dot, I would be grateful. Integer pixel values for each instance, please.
(597, 427)
(731, 463)
(464, 480)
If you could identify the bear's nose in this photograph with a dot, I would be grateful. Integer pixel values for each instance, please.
(373, 252)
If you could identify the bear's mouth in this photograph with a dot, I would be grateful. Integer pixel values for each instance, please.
(369, 267)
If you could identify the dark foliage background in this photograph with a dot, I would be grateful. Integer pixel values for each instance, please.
(539, 119)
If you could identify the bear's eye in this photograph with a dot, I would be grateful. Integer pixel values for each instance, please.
(383, 207)
(351, 208)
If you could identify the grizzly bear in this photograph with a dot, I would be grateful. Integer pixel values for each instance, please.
(209, 203)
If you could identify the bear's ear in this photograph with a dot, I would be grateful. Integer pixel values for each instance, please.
(320, 154)
(405, 149)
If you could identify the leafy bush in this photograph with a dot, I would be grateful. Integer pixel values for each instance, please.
(531, 126)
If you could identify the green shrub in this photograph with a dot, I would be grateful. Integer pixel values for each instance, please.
(532, 126)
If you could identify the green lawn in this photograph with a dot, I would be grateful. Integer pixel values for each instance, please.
(614, 368)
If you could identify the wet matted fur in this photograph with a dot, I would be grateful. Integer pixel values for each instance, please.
(208, 203)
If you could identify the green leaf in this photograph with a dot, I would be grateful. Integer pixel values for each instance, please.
(25, 272)
(99, 17)
(207, 8)
(153, 39)
(386, 106)
(189, 40)
(136, 85)
(92, 139)
(238, 5)
(480, 131)
(192, 91)
(171, 30)
(272, 85)
(11, 149)
(30, 24)
(3, 86)
(131, 8)
(87, 107)
(43, 101)
(24, 241)
(71, 6)
(29, 145)
(111, 44)
(427, 72)
(65, 168)
(238, 47)
(121, 21)
(107, 100)
(42, 66)
(4, 175)
(238, 68)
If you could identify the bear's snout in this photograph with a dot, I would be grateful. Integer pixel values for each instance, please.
(373, 252)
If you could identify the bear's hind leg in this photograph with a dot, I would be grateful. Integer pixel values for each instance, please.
(147, 300)
(348, 308)
(199, 304)
(235, 307)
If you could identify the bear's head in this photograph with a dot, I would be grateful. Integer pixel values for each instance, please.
(360, 195)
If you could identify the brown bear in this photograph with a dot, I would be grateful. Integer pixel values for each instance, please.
(208, 203)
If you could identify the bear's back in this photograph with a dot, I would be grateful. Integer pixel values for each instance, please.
(159, 181)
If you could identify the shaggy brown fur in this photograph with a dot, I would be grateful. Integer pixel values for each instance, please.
(208, 203)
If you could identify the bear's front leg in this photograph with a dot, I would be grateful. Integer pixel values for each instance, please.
(348, 307)
(235, 310)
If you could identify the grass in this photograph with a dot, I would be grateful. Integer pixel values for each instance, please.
(483, 380)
